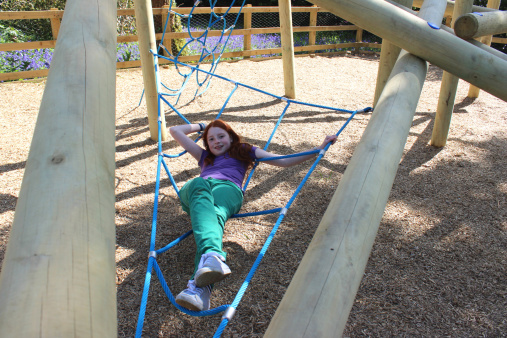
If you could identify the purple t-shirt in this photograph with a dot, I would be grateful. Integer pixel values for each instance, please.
(225, 168)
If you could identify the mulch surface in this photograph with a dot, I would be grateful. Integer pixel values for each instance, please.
(437, 267)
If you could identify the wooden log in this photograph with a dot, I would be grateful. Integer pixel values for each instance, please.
(474, 25)
(388, 55)
(289, 69)
(322, 292)
(487, 48)
(437, 46)
(473, 91)
(58, 274)
(450, 7)
(448, 89)
(146, 34)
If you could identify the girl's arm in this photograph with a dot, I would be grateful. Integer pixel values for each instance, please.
(290, 161)
(179, 133)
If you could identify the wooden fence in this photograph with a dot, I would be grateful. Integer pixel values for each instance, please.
(247, 31)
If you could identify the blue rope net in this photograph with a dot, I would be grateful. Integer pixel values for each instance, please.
(210, 47)
(153, 266)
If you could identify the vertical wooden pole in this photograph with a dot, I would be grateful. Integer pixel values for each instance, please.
(388, 55)
(312, 35)
(168, 29)
(322, 292)
(473, 91)
(448, 20)
(247, 23)
(448, 89)
(146, 34)
(58, 274)
(289, 78)
(359, 39)
(55, 25)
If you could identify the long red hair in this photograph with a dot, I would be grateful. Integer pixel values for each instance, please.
(238, 150)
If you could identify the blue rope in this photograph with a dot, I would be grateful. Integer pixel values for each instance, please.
(367, 109)
(144, 300)
(179, 307)
(152, 263)
(257, 213)
(173, 243)
(268, 241)
(215, 52)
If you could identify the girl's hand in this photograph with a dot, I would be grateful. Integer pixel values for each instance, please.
(180, 135)
(329, 138)
(290, 161)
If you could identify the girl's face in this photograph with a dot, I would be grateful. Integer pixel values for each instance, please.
(219, 141)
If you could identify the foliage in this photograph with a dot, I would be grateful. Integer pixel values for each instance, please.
(11, 34)
(127, 52)
(484, 3)
(26, 30)
(18, 61)
(36, 30)
(125, 25)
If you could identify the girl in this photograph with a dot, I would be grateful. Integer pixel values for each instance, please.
(214, 197)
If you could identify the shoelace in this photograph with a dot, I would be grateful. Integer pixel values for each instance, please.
(192, 288)
(205, 257)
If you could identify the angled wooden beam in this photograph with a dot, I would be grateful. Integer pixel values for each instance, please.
(58, 274)
(414, 35)
(322, 292)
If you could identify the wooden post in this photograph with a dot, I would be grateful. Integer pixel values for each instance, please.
(473, 91)
(448, 89)
(58, 274)
(448, 20)
(474, 25)
(146, 35)
(289, 78)
(247, 23)
(388, 55)
(322, 292)
(168, 29)
(359, 39)
(55, 25)
(312, 35)
(476, 66)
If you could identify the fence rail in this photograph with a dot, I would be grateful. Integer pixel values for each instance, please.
(56, 15)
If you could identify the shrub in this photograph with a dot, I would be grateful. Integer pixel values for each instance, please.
(35, 30)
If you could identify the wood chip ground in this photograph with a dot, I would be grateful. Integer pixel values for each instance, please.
(438, 265)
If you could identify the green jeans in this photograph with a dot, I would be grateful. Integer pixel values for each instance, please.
(210, 203)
